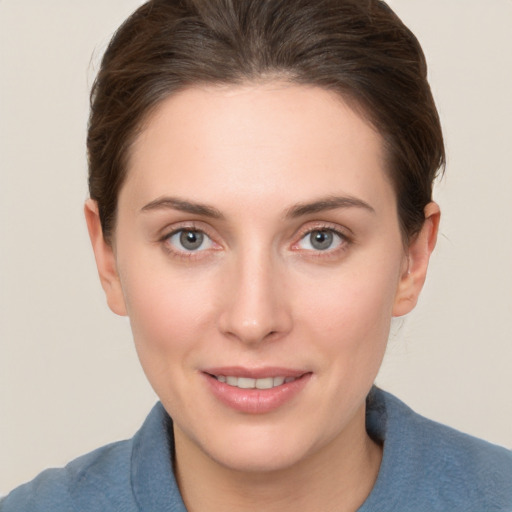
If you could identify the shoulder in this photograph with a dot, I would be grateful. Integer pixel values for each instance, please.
(125, 476)
(435, 467)
(446, 447)
(71, 487)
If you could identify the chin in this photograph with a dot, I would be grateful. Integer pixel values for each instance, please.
(259, 459)
(258, 448)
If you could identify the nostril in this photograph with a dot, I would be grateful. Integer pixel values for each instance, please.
(254, 313)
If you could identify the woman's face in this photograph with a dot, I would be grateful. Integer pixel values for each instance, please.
(258, 255)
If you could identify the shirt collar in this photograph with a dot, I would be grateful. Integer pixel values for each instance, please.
(152, 476)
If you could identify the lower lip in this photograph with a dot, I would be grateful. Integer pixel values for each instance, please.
(257, 401)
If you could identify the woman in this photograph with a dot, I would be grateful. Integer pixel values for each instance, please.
(260, 181)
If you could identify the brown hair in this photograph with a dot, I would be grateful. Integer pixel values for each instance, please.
(358, 48)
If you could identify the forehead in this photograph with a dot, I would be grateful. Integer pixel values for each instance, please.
(255, 139)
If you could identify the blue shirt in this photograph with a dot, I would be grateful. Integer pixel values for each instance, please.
(425, 467)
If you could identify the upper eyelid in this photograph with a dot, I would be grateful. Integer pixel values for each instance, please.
(173, 232)
(172, 229)
(344, 232)
(344, 238)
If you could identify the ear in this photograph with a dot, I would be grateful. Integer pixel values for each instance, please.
(416, 262)
(105, 260)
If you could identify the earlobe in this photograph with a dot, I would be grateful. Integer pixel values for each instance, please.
(416, 263)
(105, 260)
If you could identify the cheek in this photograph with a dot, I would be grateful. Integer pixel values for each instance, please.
(353, 309)
(345, 321)
(168, 312)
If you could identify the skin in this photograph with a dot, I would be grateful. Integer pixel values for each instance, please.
(257, 293)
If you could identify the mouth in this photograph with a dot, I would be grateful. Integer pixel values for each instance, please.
(250, 383)
(256, 391)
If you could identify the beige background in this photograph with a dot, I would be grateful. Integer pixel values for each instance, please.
(69, 378)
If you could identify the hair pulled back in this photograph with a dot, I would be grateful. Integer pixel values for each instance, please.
(357, 48)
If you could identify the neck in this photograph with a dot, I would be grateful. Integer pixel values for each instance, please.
(338, 477)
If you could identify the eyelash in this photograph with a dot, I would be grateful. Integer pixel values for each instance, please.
(184, 254)
(344, 241)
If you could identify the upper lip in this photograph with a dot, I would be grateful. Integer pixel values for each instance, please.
(256, 373)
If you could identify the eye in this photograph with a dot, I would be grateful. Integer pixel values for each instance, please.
(321, 240)
(189, 240)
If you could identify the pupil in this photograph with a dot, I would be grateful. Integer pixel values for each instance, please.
(191, 239)
(321, 240)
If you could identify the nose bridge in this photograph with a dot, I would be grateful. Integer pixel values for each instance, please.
(256, 308)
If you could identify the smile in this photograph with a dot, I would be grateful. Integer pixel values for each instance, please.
(256, 391)
(248, 383)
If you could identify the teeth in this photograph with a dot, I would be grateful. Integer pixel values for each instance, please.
(248, 383)
(264, 383)
(245, 383)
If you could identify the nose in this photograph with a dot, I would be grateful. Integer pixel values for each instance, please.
(255, 305)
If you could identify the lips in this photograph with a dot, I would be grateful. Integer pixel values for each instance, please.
(256, 391)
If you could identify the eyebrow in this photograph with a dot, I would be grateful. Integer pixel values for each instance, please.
(298, 210)
(173, 203)
(327, 203)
